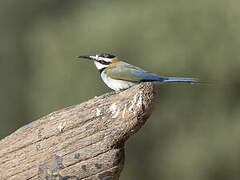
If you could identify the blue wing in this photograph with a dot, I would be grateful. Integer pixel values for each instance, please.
(147, 76)
(128, 72)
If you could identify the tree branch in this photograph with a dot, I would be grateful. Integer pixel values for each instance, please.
(84, 141)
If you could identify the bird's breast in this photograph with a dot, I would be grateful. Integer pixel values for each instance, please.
(116, 84)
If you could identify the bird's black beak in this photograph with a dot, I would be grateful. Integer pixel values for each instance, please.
(86, 57)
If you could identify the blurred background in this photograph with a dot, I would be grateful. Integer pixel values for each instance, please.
(194, 132)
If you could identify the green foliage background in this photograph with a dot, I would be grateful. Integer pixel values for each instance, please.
(194, 131)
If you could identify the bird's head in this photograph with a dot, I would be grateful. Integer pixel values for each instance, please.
(102, 61)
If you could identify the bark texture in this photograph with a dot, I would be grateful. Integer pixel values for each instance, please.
(84, 141)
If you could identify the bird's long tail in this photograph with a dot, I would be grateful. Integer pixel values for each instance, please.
(181, 79)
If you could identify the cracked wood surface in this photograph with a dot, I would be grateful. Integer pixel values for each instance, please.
(84, 141)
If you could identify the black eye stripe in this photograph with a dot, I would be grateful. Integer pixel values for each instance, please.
(104, 62)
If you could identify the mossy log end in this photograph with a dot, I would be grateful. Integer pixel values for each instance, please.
(84, 141)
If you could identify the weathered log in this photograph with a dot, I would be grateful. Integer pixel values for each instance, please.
(84, 141)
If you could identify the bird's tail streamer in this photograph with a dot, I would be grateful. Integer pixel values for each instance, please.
(181, 79)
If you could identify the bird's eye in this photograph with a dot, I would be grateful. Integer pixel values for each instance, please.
(102, 61)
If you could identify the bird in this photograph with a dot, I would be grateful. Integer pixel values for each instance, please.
(119, 75)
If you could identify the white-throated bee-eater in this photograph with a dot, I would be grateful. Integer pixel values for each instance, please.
(119, 75)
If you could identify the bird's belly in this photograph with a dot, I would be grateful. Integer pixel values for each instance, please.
(116, 84)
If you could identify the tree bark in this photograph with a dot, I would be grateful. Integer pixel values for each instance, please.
(84, 141)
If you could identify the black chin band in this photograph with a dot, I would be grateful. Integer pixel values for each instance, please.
(101, 70)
